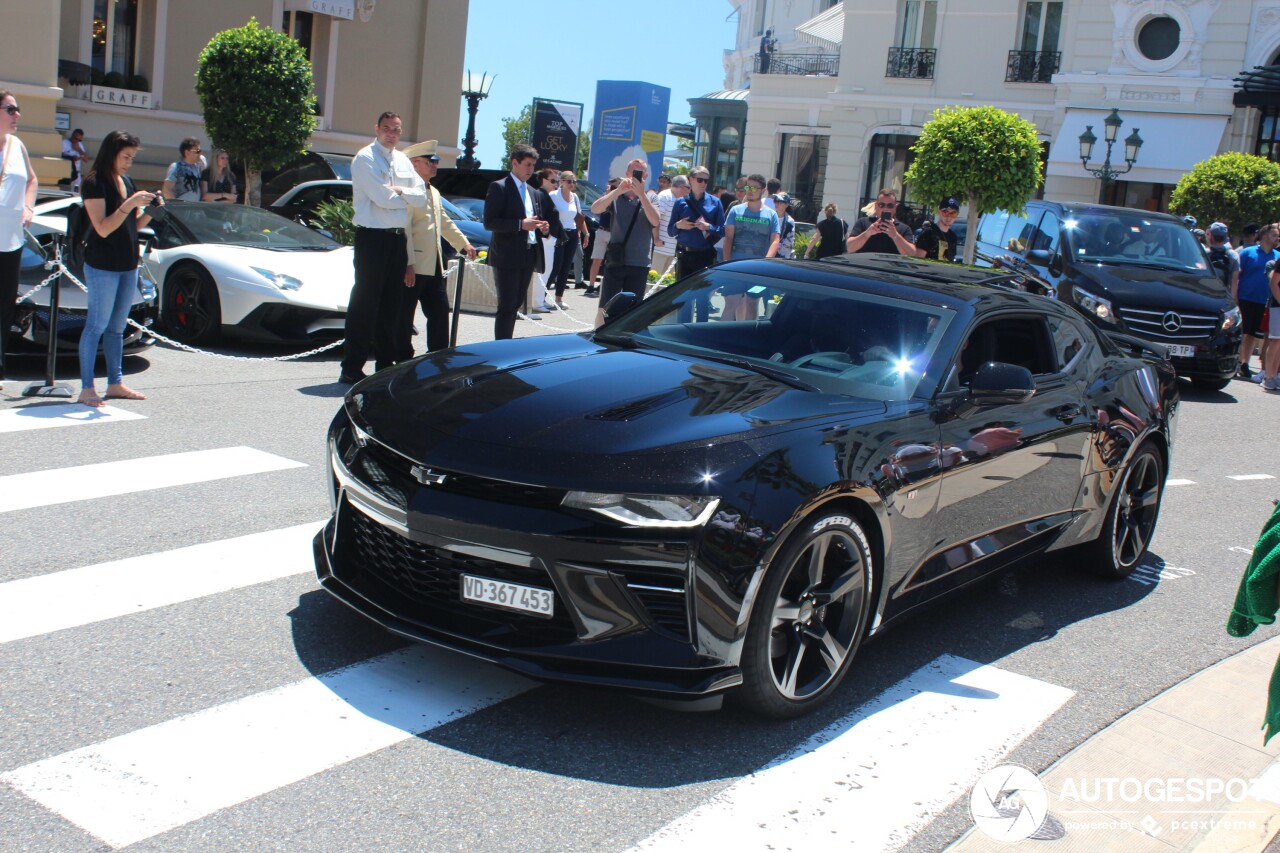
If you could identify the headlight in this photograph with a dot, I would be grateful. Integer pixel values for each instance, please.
(1095, 305)
(1231, 319)
(279, 279)
(646, 510)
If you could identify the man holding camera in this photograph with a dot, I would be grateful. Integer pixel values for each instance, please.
(883, 233)
(630, 249)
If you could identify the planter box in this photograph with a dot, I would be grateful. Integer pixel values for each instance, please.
(479, 293)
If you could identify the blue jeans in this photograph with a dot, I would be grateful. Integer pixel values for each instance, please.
(110, 296)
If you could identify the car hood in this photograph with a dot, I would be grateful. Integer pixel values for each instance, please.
(563, 396)
(1151, 287)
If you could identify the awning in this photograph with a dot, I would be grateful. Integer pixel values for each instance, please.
(826, 30)
(1171, 144)
(1258, 88)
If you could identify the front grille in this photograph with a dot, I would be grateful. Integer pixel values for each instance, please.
(664, 598)
(422, 583)
(1152, 324)
(384, 466)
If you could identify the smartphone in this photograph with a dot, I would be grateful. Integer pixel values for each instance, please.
(885, 216)
(637, 174)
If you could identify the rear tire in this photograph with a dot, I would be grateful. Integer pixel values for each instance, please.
(1131, 518)
(809, 618)
(190, 307)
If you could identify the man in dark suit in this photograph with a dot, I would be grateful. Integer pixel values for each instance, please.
(513, 213)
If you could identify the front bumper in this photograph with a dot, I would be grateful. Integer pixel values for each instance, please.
(395, 551)
(33, 320)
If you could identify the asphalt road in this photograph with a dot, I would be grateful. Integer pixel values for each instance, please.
(551, 768)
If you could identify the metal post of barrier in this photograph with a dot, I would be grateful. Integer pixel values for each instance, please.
(457, 301)
(50, 386)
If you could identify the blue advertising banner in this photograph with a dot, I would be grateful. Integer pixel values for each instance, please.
(630, 121)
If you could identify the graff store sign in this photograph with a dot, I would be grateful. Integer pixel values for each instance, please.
(122, 97)
(332, 8)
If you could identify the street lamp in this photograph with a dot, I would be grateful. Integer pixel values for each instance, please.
(1111, 129)
(475, 88)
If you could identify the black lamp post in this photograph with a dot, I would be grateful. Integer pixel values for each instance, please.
(475, 88)
(1111, 129)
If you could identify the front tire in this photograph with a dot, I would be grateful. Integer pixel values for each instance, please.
(1131, 519)
(809, 618)
(191, 310)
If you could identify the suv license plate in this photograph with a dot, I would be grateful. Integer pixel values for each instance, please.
(509, 596)
(1181, 350)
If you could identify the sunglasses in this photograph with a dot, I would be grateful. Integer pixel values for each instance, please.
(698, 179)
(753, 189)
(886, 206)
(554, 182)
(953, 211)
(12, 109)
(569, 181)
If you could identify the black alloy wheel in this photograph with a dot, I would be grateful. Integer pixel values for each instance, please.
(1131, 523)
(809, 618)
(191, 312)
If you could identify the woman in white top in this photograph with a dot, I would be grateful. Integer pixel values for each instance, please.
(18, 187)
(549, 180)
(569, 206)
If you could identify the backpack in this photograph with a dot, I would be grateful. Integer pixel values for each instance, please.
(78, 228)
(1220, 262)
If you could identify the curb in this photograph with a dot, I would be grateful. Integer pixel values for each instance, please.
(1207, 727)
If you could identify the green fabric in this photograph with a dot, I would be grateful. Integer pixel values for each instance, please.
(1256, 604)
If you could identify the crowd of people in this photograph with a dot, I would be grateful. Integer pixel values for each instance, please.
(540, 235)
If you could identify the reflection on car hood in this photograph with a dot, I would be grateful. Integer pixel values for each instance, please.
(1153, 287)
(564, 395)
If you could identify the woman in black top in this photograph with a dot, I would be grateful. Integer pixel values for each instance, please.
(832, 231)
(218, 183)
(115, 209)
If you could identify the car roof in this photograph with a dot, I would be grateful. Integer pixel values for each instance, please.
(1094, 207)
(914, 279)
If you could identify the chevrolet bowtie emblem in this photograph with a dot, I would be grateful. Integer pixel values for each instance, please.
(426, 476)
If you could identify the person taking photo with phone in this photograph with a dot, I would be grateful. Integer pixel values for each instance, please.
(630, 248)
(880, 232)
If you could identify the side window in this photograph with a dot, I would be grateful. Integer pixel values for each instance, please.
(1016, 233)
(1023, 341)
(992, 226)
(1068, 341)
(1046, 236)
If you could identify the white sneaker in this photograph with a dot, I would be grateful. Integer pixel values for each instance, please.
(541, 309)
(1272, 384)
(1259, 376)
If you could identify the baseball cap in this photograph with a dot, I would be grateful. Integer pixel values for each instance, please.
(1218, 231)
(1251, 228)
(423, 149)
(781, 198)
(951, 202)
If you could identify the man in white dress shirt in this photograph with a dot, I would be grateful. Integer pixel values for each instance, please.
(383, 186)
(664, 246)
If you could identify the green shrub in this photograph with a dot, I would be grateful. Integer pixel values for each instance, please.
(335, 215)
(113, 80)
(1233, 188)
(138, 83)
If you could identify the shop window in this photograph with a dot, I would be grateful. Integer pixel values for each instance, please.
(802, 169)
(114, 39)
(728, 155)
(311, 32)
(891, 156)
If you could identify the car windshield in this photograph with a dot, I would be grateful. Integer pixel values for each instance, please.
(831, 339)
(340, 164)
(1131, 239)
(240, 225)
(456, 212)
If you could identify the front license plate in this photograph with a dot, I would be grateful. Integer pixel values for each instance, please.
(1181, 350)
(509, 596)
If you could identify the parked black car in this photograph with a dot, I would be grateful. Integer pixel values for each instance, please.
(311, 166)
(1127, 270)
(684, 509)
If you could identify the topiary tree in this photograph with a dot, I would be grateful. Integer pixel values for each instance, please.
(515, 130)
(985, 156)
(1233, 188)
(258, 98)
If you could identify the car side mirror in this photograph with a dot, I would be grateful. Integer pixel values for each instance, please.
(1046, 258)
(997, 383)
(147, 238)
(620, 304)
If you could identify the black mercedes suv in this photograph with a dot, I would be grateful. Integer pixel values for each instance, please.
(1127, 270)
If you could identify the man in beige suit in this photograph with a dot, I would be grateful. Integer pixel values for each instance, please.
(424, 277)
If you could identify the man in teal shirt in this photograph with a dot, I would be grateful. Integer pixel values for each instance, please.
(751, 230)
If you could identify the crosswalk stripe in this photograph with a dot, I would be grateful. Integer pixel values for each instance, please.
(1179, 482)
(39, 605)
(64, 485)
(874, 778)
(155, 779)
(1251, 477)
(61, 415)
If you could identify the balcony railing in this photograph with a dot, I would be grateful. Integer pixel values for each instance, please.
(802, 64)
(1032, 66)
(915, 62)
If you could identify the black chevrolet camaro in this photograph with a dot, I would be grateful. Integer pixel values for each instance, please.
(692, 509)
